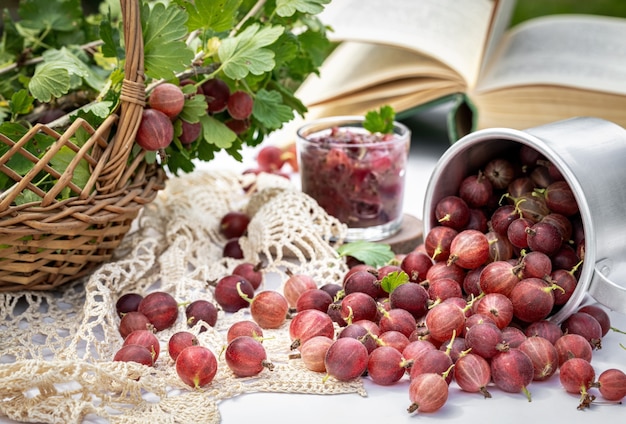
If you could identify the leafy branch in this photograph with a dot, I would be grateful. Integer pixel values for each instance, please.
(58, 64)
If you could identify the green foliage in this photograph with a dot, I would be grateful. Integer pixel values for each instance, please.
(58, 56)
(529, 9)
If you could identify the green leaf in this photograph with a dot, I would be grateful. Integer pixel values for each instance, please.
(164, 30)
(36, 146)
(26, 196)
(195, 108)
(81, 136)
(110, 36)
(61, 161)
(77, 61)
(58, 73)
(235, 150)
(393, 280)
(247, 52)
(151, 157)
(371, 253)
(206, 151)
(216, 132)
(217, 15)
(380, 121)
(316, 46)
(285, 49)
(49, 81)
(269, 109)
(179, 162)
(286, 8)
(288, 98)
(51, 15)
(21, 103)
(12, 43)
(95, 113)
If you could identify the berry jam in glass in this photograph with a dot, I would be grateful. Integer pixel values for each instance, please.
(356, 176)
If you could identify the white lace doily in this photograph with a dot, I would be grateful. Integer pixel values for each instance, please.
(57, 347)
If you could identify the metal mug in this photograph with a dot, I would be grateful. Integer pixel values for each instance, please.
(590, 154)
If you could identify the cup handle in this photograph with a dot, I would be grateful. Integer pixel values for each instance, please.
(605, 290)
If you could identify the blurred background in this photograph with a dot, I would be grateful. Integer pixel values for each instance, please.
(525, 9)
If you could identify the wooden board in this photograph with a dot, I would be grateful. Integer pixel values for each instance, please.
(410, 236)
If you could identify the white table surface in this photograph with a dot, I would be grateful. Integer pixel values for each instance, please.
(550, 402)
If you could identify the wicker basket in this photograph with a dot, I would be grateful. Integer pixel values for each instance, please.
(47, 243)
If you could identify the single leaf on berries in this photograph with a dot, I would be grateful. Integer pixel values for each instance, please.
(370, 253)
(393, 280)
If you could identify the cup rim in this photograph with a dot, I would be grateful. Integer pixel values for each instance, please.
(401, 132)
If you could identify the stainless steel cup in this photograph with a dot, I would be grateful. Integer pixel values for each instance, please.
(591, 155)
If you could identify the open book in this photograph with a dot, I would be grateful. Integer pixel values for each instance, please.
(412, 53)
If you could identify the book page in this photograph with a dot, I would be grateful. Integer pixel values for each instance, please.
(360, 106)
(529, 106)
(499, 25)
(396, 89)
(582, 51)
(355, 66)
(453, 31)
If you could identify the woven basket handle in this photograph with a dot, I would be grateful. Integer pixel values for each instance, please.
(132, 99)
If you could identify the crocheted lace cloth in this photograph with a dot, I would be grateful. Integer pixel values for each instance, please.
(57, 347)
